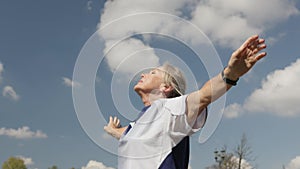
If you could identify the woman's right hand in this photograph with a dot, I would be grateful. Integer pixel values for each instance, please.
(113, 127)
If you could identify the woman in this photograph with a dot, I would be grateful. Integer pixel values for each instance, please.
(169, 117)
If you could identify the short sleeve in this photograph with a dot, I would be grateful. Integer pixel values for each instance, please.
(178, 124)
(200, 121)
(176, 105)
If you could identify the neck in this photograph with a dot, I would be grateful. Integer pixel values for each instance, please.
(149, 98)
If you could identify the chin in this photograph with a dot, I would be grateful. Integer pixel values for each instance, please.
(136, 88)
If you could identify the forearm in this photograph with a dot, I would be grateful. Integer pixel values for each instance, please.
(211, 91)
(214, 89)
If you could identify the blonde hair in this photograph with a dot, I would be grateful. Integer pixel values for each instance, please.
(174, 77)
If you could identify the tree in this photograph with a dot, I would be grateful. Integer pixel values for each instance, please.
(239, 159)
(14, 163)
(53, 167)
(243, 151)
(224, 159)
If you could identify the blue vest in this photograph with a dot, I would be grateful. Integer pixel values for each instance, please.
(179, 157)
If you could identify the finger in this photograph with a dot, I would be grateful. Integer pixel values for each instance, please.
(110, 119)
(245, 45)
(261, 44)
(250, 41)
(118, 123)
(254, 44)
(115, 120)
(259, 48)
(260, 41)
(261, 55)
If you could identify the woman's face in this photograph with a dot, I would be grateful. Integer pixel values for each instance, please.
(150, 82)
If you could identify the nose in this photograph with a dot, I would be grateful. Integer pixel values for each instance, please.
(142, 75)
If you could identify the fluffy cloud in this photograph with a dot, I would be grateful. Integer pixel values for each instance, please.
(233, 111)
(294, 164)
(116, 9)
(95, 165)
(278, 95)
(244, 163)
(132, 48)
(68, 82)
(233, 162)
(1, 70)
(222, 21)
(89, 5)
(22, 133)
(9, 92)
(27, 161)
(128, 53)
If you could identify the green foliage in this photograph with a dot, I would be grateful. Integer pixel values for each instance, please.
(53, 167)
(14, 163)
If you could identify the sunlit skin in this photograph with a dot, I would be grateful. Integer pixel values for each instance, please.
(152, 84)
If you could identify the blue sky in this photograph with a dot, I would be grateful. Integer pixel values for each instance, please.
(40, 42)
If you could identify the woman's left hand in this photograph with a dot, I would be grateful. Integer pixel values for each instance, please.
(245, 57)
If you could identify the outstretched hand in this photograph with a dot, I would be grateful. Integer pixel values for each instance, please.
(113, 127)
(245, 57)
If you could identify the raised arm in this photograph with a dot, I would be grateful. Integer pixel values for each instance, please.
(240, 62)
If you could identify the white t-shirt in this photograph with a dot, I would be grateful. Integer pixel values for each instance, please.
(155, 133)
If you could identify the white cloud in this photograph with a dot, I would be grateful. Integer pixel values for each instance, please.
(131, 56)
(89, 5)
(233, 162)
(9, 92)
(278, 95)
(244, 163)
(27, 161)
(233, 111)
(22, 133)
(116, 9)
(223, 21)
(95, 165)
(68, 82)
(1, 71)
(294, 163)
(227, 23)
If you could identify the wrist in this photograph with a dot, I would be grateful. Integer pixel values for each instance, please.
(229, 74)
(228, 77)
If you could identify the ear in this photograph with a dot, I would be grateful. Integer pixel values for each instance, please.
(166, 88)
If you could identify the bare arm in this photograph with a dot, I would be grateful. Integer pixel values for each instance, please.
(240, 62)
(114, 128)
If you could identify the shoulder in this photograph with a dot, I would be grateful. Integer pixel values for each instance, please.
(176, 105)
